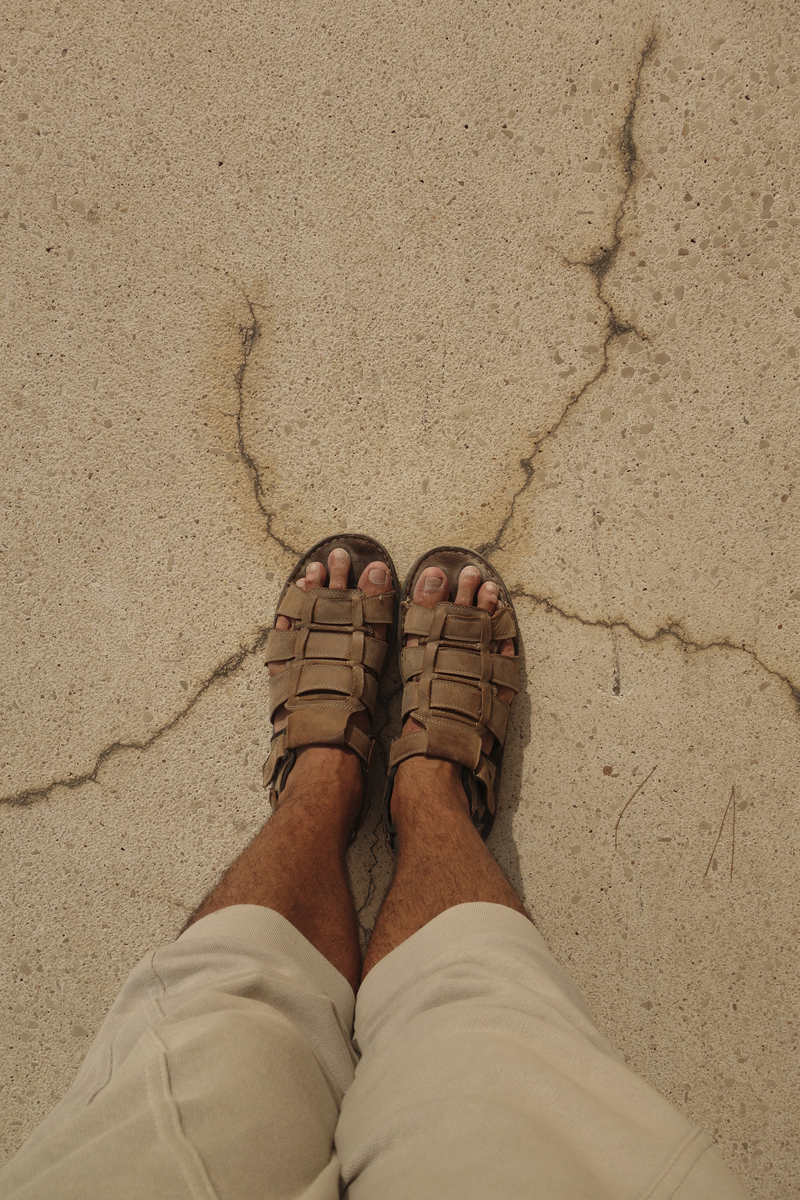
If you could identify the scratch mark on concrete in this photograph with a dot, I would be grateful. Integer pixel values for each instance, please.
(672, 631)
(249, 334)
(223, 671)
(627, 802)
(719, 835)
(616, 682)
(598, 265)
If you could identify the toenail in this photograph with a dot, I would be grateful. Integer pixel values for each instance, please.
(433, 583)
(378, 575)
(491, 588)
(339, 554)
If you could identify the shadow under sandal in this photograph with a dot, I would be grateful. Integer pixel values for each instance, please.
(333, 662)
(450, 683)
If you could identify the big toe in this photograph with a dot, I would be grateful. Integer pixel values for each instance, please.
(375, 579)
(431, 588)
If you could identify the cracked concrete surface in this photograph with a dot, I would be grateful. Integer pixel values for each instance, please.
(524, 280)
(249, 333)
(598, 264)
(671, 631)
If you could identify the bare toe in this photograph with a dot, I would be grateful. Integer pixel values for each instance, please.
(375, 578)
(468, 582)
(431, 588)
(488, 600)
(314, 577)
(339, 564)
(487, 596)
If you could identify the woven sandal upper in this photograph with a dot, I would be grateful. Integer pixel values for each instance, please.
(450, 683)
(333, 667)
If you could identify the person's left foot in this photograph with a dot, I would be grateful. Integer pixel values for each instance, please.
(439, 777)
(431, 589)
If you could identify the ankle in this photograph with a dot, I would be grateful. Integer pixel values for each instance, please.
(339, 762)
(325, 778)
(434, 783)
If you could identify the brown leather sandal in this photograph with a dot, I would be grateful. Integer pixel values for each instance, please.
(450, 683)
(333, 661)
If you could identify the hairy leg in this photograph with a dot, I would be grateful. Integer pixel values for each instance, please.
(296, 863)
(441, 859)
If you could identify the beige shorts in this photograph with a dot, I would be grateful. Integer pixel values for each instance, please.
(227, 1070)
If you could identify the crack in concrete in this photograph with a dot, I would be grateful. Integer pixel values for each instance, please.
(250, 334)
(601, 263)
(526, 464)
(672, 630)
(616, 681)
(223, 671)
(598, 265)
(370, 874)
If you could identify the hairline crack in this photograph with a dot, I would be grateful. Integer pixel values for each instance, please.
(227, 668)
(672, 630)
(249, 333)
(598, 265)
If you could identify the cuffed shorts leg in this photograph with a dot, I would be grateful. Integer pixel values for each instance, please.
(221, 1070)
(482, 1075)
(218, 1074)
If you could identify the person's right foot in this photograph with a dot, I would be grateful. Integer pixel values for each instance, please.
(320, 767)
(375, 579)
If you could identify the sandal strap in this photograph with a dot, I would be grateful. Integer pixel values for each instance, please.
(333, 665)
(283, 742)
(322, 607)
(369, 651)
(333, 662)
(457, 623)
(282, 758)
(450, 683)
(307, 683)
(460, 661)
